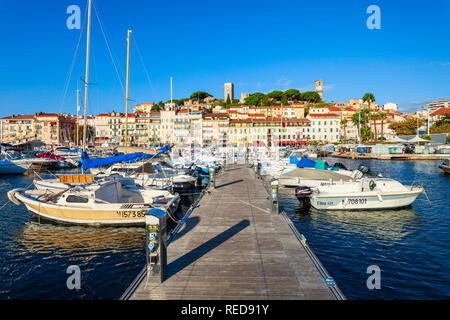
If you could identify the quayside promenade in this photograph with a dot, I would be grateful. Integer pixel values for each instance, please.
(234, 247)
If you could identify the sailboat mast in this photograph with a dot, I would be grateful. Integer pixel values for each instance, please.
(126, 95)
(86, 80)
(78, 116)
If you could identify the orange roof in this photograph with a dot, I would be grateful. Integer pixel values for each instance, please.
(44, 115)
(241, 121)
(334, 108)
(257, 115)
(441, 111)
(323, 115)
(19, 117)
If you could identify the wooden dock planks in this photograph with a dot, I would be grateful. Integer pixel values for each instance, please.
(233, 248)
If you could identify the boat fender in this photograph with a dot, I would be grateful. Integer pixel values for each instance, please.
(372, 185)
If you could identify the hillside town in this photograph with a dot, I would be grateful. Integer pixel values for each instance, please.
(206, 121)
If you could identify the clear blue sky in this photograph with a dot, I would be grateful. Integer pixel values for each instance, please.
(258, 45)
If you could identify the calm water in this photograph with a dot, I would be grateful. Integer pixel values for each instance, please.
(411, 245)
(34, 256)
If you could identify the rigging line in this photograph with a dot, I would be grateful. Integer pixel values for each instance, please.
(66, 85)
(110, 50)
(145, 68)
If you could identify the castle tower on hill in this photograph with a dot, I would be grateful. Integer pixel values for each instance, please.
(319, 88)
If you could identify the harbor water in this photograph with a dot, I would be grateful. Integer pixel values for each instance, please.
(35, 255)
(411, 246)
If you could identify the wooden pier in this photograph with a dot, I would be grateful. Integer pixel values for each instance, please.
(232, 247)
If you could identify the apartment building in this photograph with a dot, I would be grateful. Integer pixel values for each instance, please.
(50, 128)
(325, 126)
(214, 128)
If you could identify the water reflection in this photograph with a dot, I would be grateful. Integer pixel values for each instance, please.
(382, 224)
(62, 240)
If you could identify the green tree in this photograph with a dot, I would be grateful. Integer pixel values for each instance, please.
(254, 99)
(266, 101)
(369, 98)
(276, 95)
(284, 100)
(344, 126)
(293, 94)
(156, 108)
(441, 126)
(407, 127)
(359, 119)
(228, 102)
(310, 96)
(199, 95)
(375, 117)
(383, 116)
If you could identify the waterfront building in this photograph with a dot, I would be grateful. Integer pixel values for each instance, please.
(325, 126)
(390, 106)
(214, 128)
(145, 107)
(18, 129)
(439, 114)
(435, 105)
(49, 128)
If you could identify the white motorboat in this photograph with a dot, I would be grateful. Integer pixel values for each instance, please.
(104, 202)
(310, 177)
(445, 166)
(367, 193)
(10, 165)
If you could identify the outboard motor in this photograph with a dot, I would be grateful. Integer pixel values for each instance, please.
(303, 195)
(340, 166)
(364, 169)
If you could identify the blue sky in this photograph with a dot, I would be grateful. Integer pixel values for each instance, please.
(258, 45)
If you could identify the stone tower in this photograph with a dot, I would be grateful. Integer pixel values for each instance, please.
(228, 92)
(319, 88)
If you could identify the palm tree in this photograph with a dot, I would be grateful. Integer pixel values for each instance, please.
(344, 125)
(356, 122)
(369, 98)
(374, 117)
(382, 116)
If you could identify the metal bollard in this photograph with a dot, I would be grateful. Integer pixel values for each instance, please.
(274, 186)
(212, 178)
(156, 244)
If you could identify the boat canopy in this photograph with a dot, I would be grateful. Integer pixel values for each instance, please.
(68, 150)
(51, 156)
(89, 163)
(306, 163)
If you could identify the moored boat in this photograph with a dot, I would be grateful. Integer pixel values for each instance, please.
(105, 202)
(445, 166)
(368, 193)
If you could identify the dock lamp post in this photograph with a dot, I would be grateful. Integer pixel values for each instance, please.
(274, 187)
(212, 178)
(156, 244)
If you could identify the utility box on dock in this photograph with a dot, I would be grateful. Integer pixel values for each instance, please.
(156, 244)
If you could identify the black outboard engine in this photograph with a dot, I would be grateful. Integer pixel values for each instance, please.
(364, 170)
(340, 166)
(303, 195)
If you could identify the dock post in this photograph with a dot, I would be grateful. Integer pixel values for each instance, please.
(156, 244)
(212, 178)
(274, 186)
